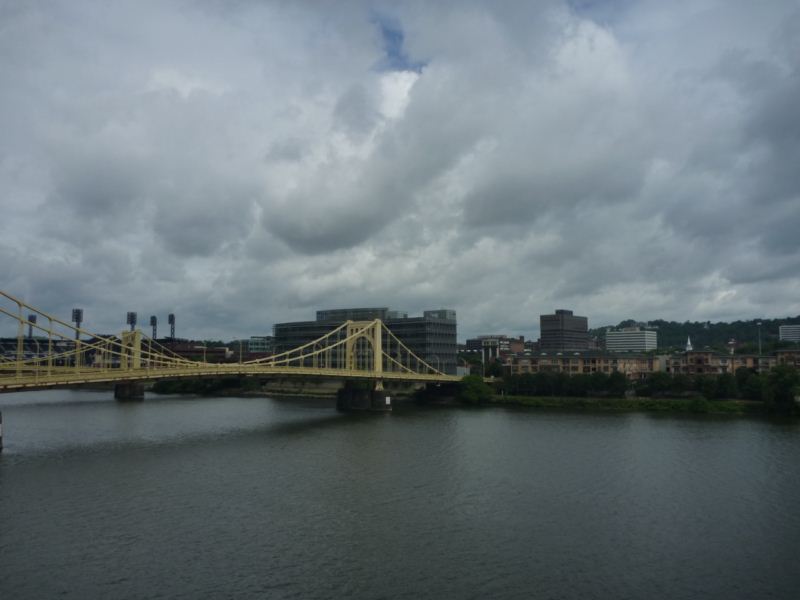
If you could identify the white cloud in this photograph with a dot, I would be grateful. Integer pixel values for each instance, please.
(243, 164)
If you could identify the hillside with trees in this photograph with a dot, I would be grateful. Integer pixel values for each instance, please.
(672, 334)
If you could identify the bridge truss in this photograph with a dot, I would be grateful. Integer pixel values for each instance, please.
(53, 352)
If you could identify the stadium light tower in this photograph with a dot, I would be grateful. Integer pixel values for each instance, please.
(131, 320)
(171, 321)
(759, 346)
(77, 318)
(31, 323)
(154, 325)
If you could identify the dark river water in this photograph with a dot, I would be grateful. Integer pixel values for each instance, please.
(182, 497)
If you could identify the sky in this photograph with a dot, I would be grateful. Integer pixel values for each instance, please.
(242, 163)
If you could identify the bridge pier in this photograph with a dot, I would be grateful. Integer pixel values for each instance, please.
(363, 396)
(128, 391)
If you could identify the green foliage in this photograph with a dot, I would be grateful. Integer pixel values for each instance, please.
(561, 384)
(681, 384)
(473, 390)
(672, 334)
(706, 385)
(471, 358)
(493, 369)
(776, 388)
(617, 384)
(780, 389)
(686, 405)
(727, 387)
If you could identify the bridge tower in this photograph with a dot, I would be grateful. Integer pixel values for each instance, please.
(354, 396)
(130, 359)
(372, 332)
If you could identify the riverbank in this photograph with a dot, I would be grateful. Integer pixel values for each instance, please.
(683, 405)
(279, 389)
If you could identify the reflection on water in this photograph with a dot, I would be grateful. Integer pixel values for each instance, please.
(239, 497)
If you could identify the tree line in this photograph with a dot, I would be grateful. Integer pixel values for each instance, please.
(776, 388)
(580, 385)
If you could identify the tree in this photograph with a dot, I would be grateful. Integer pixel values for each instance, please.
(494, 369)
(680, 384)
(617, 384)
(726, 387)
(706, 385)
(598, 383)
(660, 383)
(742, 375)
(754, 387)
(781, 384)
(473, 390)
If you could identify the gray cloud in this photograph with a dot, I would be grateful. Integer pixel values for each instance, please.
(246, 163)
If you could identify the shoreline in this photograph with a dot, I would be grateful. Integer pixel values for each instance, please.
(695, 405)
(637, 404)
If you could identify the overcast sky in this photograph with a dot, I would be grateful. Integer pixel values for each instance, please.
(246, 163)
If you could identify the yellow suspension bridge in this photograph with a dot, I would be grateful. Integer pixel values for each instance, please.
(66, 355)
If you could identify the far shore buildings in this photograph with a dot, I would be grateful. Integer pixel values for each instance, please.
(493, 347)
(637, 366)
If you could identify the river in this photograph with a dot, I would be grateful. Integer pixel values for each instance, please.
(186, 497)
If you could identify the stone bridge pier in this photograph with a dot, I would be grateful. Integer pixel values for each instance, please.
(127, 391)
(358, 395)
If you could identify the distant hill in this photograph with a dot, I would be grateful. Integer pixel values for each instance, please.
(672, 334)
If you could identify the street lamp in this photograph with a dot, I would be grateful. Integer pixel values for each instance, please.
(759, 346)
(77, 318)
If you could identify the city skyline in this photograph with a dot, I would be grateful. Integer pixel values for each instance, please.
(252, 163)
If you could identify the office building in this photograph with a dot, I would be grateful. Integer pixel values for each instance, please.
(631, 339)
(789, 333)
(563, 331)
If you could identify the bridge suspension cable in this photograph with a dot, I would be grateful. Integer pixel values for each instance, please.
(65, 354)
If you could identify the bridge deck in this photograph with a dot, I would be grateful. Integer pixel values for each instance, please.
(70, 376)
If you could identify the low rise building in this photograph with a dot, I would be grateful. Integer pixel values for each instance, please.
(788, 357)
(634, 366)
(637, 366)
(708, 362)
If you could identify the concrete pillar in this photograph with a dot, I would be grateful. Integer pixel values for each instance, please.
(359, 396)
(129, 390)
